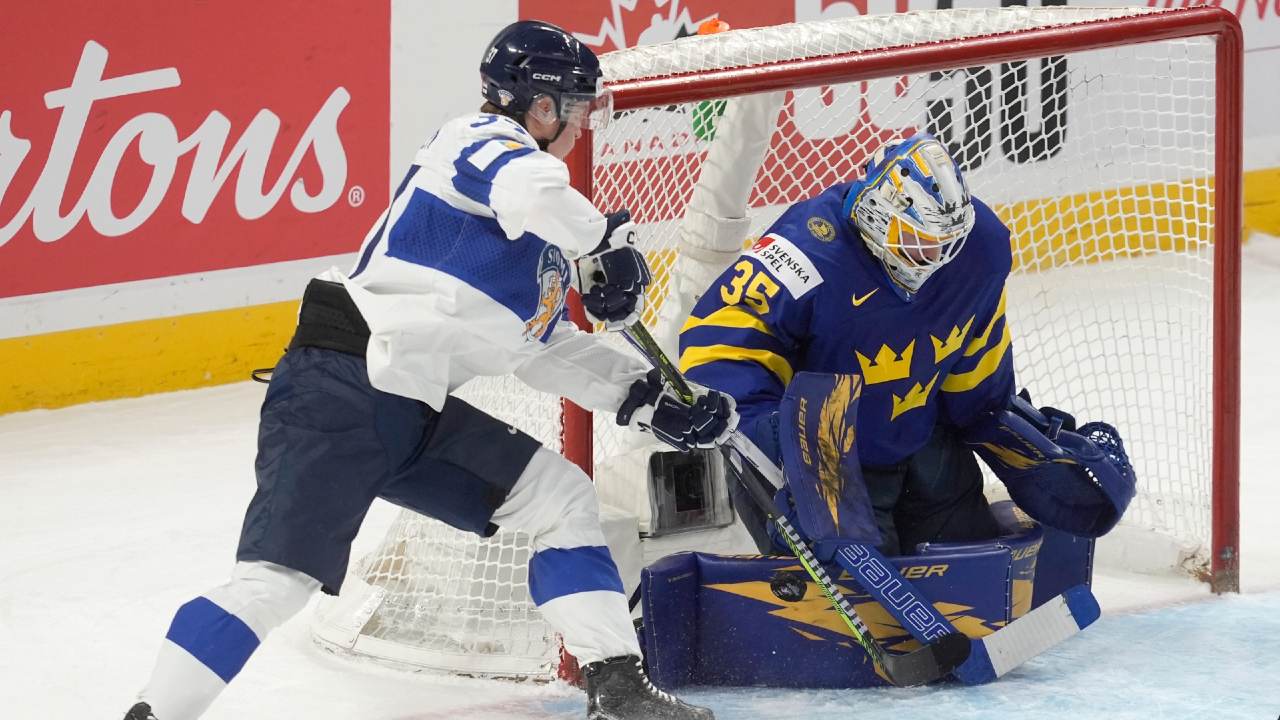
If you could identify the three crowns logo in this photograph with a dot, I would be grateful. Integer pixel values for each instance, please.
(916, 397)
(887, 365)
(941, 349)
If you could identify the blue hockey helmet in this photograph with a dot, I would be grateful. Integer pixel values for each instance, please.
(913, 209)
(530, 59)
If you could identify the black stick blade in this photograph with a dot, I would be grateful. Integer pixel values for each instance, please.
(930, 662)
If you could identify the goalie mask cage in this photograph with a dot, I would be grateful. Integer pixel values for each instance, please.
(1107, 139)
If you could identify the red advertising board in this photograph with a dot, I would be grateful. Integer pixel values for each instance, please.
(143, 139)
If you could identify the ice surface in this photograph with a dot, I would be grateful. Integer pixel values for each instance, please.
(1215, 659)
(113, 514)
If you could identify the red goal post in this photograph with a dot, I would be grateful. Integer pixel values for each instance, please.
(1129, 28)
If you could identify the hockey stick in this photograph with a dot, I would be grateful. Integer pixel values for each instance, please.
(929, 662)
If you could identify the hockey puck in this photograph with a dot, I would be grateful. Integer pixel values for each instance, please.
(788, 586)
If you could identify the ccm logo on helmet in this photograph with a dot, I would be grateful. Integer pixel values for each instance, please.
(546, 76)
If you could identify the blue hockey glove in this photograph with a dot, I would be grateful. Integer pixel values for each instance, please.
(613, 277)
(652, 406)
(1078, 479)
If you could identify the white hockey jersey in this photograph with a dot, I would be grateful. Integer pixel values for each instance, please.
(466, 273)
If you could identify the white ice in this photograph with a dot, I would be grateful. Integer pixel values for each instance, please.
(113, 514)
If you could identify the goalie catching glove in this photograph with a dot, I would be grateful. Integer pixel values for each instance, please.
(612, 278)
(652, 406)
(1077, 480)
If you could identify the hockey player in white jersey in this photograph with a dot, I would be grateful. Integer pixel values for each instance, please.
(464, 275)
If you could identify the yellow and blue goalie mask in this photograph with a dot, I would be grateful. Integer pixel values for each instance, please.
(913, 209)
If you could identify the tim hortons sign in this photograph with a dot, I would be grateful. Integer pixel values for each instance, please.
(144, 147)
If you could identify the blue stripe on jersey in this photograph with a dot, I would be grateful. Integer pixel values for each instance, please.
(368, 251)
(213, 636)
(474, 249)
(558, 572)
(476, 182)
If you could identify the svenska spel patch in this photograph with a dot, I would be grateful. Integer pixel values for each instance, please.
(786, 263)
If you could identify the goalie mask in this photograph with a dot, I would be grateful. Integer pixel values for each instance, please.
(912, 209)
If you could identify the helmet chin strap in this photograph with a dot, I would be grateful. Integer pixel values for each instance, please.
(546, 142)
(520, 116)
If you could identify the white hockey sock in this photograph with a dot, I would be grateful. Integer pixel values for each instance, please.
(572, 577)
(595, 625)
(213, 636)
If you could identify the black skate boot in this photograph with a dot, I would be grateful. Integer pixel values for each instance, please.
(141, 711)
(618, 689)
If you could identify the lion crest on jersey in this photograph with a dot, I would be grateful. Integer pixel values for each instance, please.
(553, 282)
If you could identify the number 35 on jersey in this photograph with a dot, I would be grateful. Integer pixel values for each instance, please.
(786, 263)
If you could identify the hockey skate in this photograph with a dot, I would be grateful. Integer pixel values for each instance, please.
(618, 689)
(141, 711)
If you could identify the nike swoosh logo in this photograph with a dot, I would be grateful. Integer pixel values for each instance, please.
(859, 300)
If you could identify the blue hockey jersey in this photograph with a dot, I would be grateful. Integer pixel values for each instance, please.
(810, 296)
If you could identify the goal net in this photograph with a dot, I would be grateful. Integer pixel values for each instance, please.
(1107, 139)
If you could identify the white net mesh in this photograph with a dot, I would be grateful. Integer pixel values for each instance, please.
(453, 601)
(795, 41)
(1100, 162)
(456, 602)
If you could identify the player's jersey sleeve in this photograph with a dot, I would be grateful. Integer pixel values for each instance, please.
(744, 336)
(581, 366)
(983, 378)
(503, 174)
(533, 195)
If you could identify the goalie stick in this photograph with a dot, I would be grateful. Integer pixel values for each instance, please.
(992, 656)
(925, 664)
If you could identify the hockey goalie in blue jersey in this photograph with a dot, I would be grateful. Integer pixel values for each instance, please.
(899, 277)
